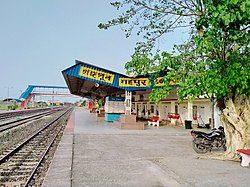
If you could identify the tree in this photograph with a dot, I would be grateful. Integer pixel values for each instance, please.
(84, 102)
(214, 62)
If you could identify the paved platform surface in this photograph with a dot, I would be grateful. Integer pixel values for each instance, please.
(93, 153)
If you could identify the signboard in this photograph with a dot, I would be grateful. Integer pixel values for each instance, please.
(96, 75)
(142, 82)
(110, 98)
(134, 82)
(123, 82)
(160, 82)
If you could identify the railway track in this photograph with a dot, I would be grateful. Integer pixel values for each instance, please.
(8, 115)
(19, 165)
(12, 124)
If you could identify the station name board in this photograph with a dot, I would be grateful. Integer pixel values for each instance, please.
(96, 75)
(123, 82)
(160, 82)
(142, 82)
(134, 82)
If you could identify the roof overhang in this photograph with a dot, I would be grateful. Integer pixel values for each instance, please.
(87, 80)
(87, 88)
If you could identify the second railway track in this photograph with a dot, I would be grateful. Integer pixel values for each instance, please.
(11, 124)
(11, 114)
(20, 162)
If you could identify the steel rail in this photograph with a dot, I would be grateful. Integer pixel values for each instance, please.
(23, 121)
(6, 115)
(5, 157)
(41, 159)
(44, 154)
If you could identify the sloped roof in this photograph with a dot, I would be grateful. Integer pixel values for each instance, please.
(87, 80)
(12, 99)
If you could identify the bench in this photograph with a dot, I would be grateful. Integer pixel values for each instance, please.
(155, 120)
(245, 156)
(174, 118)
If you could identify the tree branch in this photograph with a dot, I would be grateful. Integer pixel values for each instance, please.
(194, 4)
(165, 12)
(183, 6)
(165, 30)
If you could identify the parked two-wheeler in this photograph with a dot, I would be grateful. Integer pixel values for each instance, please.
(204, 142)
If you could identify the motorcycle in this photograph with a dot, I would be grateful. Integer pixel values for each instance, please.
(204, 142)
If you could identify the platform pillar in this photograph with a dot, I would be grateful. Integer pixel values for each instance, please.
(128, 102)
(190, 110)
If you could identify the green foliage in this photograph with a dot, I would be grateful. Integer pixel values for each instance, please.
(216, 59)
(12, 107)
(84, 103)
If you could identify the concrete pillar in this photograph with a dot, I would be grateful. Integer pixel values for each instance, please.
(154, 109)
(128, 104)
(139, 110)
(148, 109)
(160, 110)
(172, 107)
(190, 111)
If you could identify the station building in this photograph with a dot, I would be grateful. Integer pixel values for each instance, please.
(87, 80)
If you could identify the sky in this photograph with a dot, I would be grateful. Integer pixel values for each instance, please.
(39, 39)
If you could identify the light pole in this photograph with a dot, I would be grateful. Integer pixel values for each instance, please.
(8, 91)
(8, 94)
(53, 99)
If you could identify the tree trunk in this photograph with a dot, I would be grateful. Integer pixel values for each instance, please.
(236, 121)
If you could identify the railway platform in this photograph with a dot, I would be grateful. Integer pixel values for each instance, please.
(94, 153)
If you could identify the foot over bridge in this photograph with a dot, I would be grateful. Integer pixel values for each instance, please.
(39, 90)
